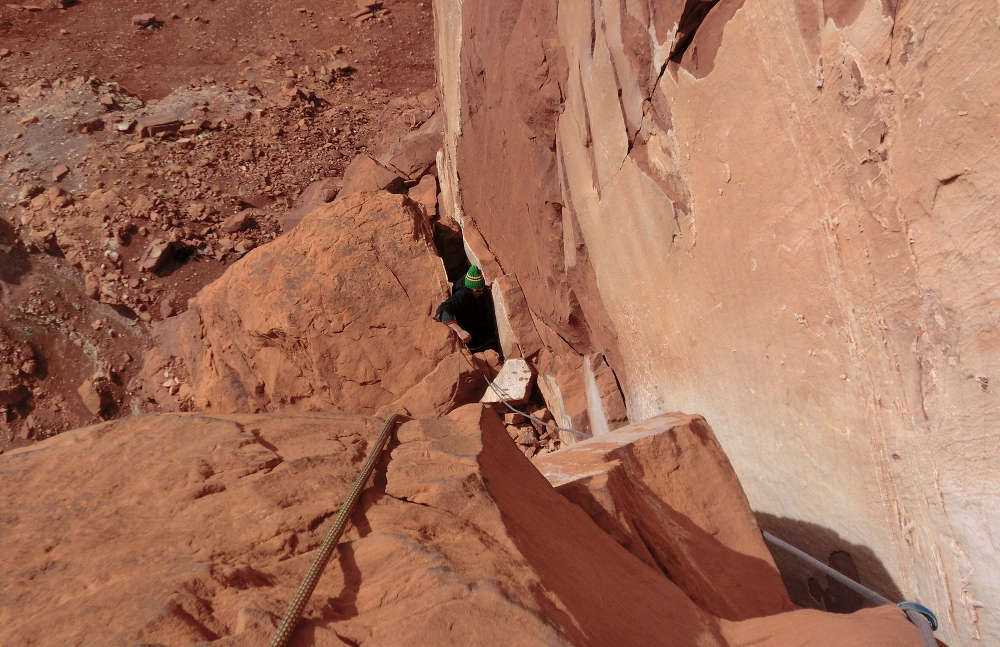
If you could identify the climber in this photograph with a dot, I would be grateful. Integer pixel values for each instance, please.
(469, 312)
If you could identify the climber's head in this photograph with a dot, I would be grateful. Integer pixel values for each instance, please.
(474, 280)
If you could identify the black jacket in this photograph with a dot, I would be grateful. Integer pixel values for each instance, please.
(474, 314)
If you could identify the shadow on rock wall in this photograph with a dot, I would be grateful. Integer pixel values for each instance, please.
(811, 589)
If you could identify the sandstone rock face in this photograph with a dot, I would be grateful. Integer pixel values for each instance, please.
(665, 490)
(220, 535)
(333, 316)
(879, 627)
(205, 529)
(776, 214)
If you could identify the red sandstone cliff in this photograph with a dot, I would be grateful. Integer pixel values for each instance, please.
(777, 214)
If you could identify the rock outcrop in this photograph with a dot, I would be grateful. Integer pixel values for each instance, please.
(776, 214)
(333, 316)
(205, 526)
(665, 490)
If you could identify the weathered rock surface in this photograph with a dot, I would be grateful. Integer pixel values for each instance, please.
(205, 529)
(665, 490)
(333, 316)
(776, 214)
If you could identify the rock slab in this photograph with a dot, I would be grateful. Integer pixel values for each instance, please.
(667, 492)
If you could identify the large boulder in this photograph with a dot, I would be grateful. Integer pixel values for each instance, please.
(333, 316)
(665, 490)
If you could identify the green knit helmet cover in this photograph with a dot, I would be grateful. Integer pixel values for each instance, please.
(474, 279)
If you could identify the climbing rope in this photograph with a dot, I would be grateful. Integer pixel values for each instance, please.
(284, 631)
(918, 614)
(504, 397)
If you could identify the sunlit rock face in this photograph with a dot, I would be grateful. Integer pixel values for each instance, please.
(778, 215)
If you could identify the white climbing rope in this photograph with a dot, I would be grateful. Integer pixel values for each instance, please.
(918, 614)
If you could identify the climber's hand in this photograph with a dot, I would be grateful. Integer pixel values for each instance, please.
(464, 336)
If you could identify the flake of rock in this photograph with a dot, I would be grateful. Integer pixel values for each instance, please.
(141, 206)
(365, 174)
(27, 121)
(96, 400)
(92, 286)
(108, 101)
(339, 67)
(90, 126)
(29, 367)
(101, 200)
(126, 126)
(512, 385)
(136, 148)
(155, 255)
(425, 194)
(11, 391)
(29, 191)
(166, 307)
(162, 123)
(316, 195)
(528, 438)
(512, 418)
(59, 172)
(244, 246)
(236, 222)
(144, 19)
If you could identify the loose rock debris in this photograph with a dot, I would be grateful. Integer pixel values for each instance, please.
(156, 197)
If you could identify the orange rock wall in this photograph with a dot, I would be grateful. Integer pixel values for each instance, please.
(777, 214)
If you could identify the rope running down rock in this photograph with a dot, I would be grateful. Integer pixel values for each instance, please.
(919, 615)
(504, 396)
(284, 631)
